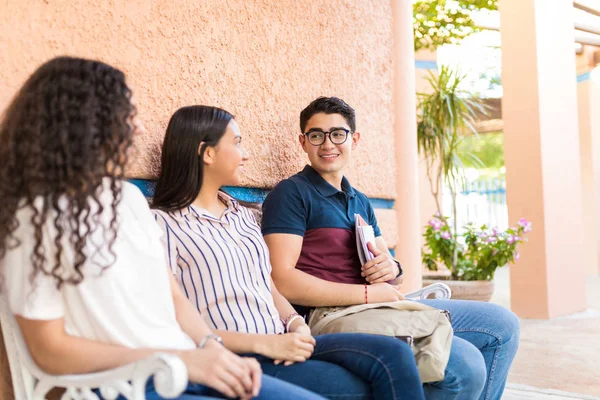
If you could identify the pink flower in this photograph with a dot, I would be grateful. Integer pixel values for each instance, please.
(436, 224)
(491, 239)
(526, 225)
(517, 256)
(510, 239)
(495, 231)
(445, 235)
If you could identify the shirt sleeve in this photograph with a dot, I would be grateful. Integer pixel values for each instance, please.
(284, 210)
(32, 296)
(167, 239)
(372, 219)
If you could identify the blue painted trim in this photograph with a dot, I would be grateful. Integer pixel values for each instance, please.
(252, 195)
(392, 252)
(146, 186)
(583, 77)
(422, 64)
(382, 203)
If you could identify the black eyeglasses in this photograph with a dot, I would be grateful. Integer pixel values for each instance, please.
(336, 135)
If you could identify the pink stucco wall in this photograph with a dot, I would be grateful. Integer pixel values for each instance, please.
(262, 60)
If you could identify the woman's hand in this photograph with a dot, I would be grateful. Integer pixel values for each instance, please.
(302, 329)
(288, 348)
(222, 370)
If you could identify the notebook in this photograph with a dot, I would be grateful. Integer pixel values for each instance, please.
(364, 235)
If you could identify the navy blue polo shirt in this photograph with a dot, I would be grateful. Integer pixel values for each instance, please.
(307, 205)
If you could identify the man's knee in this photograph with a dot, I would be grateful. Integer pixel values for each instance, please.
(505, 324)
(466, 370)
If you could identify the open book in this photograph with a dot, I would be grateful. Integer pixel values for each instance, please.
(364, 235)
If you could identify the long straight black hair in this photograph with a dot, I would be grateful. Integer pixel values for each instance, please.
(182, 168)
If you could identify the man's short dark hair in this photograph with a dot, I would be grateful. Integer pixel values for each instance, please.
(328, 105)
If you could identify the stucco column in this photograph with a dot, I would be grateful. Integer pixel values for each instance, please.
(594, 127)
(425, 64)
(589, 140)
(408, 249)
(542, 156)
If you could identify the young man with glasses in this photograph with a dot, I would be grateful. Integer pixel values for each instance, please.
(308, 224)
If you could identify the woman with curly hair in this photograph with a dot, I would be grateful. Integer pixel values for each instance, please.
(83, 266)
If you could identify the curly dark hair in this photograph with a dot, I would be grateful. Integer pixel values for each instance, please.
(67, 128)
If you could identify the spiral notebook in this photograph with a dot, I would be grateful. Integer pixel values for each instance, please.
(364, 235)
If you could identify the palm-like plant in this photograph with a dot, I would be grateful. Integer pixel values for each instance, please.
(446, 115)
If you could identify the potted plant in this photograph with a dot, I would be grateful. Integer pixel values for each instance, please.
(446, 115)
(478, 251)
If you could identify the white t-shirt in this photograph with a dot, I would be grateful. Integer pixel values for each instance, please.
(128, 304)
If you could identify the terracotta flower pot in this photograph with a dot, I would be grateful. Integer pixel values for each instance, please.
(466, 290)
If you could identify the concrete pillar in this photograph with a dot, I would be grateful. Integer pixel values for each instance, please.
(589, 142)
(593, 84)
(425, 63)
(408, 247)
(542, 156)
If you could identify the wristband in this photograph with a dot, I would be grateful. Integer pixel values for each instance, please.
(289, 323)
(400, 272)
(206, 338)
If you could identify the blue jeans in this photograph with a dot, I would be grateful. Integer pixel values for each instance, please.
(354, 366)
(486, 339)
(271, 389)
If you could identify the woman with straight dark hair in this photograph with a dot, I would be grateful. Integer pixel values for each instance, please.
(82, 262)
(218, 255)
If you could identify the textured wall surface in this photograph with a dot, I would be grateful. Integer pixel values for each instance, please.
(262, 60)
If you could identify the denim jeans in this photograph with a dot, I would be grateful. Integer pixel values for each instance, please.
(354, 366)
(271, 389)
(486, 339)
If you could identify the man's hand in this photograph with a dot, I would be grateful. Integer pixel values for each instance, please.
(380, 269)
(383, 293)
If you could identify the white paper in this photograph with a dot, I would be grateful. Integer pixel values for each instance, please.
(364, 235)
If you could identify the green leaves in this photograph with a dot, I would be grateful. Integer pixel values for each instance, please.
(440, 22)
(446, 114)
(479, 251)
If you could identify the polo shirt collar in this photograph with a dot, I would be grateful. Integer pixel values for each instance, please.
(324, 187)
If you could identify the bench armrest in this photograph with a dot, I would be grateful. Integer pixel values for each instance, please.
(441, 291)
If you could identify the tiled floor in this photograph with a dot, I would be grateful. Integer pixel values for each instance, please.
(521, 392)
(562, 354)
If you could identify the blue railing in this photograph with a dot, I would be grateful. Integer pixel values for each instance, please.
(482, 202)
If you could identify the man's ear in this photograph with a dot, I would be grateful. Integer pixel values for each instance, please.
(355, 139)
(303, 142)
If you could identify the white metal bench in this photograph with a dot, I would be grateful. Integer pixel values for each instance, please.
(169, 372)
(31, 383)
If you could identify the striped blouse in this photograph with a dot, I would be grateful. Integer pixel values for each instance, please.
(223, 266)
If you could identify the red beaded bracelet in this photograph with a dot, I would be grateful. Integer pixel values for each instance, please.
(366, 295)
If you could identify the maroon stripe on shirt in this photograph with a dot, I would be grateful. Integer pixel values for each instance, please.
(330, 254)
